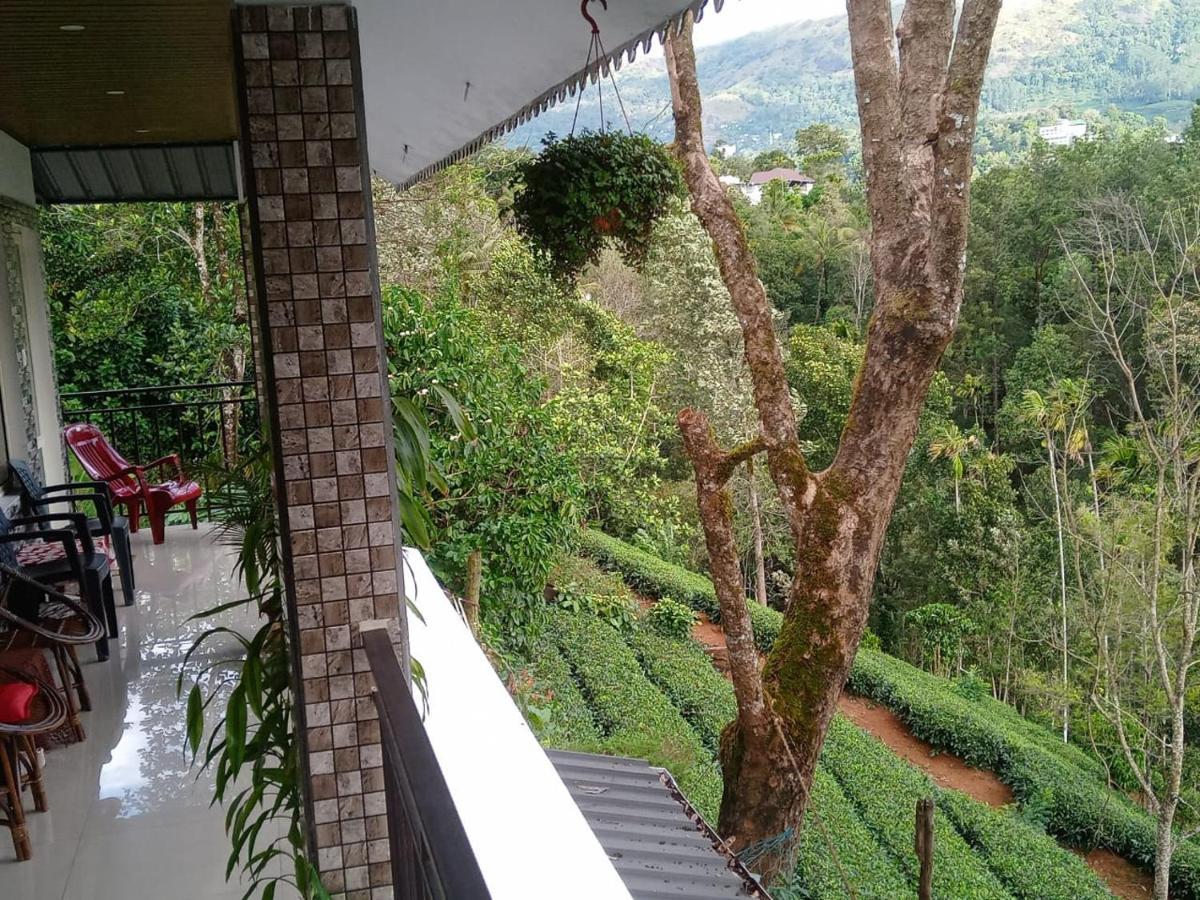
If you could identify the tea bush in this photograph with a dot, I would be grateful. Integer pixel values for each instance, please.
(571, 725)
(683, 671)
(837, 849)
(884, 789)
(671, 618)
(653, 576)
(635, 717)
(1064, 785)
(1029, 863)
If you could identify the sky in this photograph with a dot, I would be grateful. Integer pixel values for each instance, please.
(739, 17)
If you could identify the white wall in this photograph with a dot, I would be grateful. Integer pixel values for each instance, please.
(41, 356)
(16, 173)
(28, 390)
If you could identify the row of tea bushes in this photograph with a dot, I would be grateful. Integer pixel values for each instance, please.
(885, 789)
(647, 573)
(1079, 807)
(1029, 863)
(635, 717)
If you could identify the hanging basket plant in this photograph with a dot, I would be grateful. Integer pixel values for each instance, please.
(593, 189)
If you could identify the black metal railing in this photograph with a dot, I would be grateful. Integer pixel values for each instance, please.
(209, 425)
(432, 858)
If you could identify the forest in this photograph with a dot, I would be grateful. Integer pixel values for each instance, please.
(1035, 608)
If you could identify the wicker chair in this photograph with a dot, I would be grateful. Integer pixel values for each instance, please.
(19, 767)
(34, 615)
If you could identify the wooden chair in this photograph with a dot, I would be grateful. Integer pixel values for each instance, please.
(19, 767)
(127, 483)
(35, 616)
(37, 497)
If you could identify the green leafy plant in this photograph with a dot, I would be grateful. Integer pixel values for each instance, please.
(1056, 784)
(672, 618)
(591, 189)
(252, 744)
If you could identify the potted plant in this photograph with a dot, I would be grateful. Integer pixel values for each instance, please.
(591, 189)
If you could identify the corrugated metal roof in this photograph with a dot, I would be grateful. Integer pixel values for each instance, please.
(659, 845)
(134, 173)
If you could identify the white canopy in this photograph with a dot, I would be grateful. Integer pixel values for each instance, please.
(443, 77)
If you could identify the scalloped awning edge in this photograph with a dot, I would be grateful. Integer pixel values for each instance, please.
(565, 89)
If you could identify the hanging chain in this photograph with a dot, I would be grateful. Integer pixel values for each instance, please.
(603, 66)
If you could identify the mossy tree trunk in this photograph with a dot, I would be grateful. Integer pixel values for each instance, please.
(917, 108)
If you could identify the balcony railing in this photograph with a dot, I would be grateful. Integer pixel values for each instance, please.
(475, 808)
(209, 425)
(430, 855)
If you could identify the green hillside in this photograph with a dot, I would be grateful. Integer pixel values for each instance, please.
(634, 691)
(1058, 784)
(1049, 57)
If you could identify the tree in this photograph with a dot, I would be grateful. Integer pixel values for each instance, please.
(918, 114)
(821, 148)
(773, 159)
(1139, 301)
(950, 443)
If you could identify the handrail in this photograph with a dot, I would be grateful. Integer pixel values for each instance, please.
(431, 856)
(155, 387)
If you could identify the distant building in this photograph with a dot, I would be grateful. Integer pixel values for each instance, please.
(793, 179)
(1064, 132)
(725, 150)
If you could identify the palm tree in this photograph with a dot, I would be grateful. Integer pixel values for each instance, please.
(1055, 414)
(951, 443)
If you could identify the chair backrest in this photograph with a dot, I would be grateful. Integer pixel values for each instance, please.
(100, 459)
(30, 484)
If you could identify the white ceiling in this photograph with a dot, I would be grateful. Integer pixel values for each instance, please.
(418, 56)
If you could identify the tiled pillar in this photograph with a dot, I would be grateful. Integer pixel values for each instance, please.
(317, 296)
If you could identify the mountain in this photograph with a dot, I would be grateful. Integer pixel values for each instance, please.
(1049, 58)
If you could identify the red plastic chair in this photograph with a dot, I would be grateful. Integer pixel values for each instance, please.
(127, 482)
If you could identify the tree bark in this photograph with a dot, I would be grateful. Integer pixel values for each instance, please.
(918, 123)
(760, 562)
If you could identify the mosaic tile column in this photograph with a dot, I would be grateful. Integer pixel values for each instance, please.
(317, 297)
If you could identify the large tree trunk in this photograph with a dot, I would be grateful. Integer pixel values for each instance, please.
(918, 122)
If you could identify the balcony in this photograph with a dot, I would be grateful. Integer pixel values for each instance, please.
(128, 817)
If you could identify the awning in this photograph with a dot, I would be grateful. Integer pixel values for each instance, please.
(442, 79)
(85, 84)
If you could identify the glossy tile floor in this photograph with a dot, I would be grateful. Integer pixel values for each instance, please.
(128, 817)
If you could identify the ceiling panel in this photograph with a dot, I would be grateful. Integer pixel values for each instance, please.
(173, 59)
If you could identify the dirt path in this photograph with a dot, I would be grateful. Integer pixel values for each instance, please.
(946, 770)
(1122, 877)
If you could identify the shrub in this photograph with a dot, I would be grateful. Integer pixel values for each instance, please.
(1029, 863)
(1061, 784)
(651, 575)
(570, 725)
(634, 716)
(837, 850)
(582, 587)
(885, 790)
(671, 618)
(683, 671)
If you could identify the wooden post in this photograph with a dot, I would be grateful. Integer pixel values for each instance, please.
(924, 847)
(474, 584)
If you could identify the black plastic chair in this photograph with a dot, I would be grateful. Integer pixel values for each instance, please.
(80, 563)
(39, 498)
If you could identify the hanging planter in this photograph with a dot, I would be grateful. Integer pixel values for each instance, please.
(593, 189)
(596, 188)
